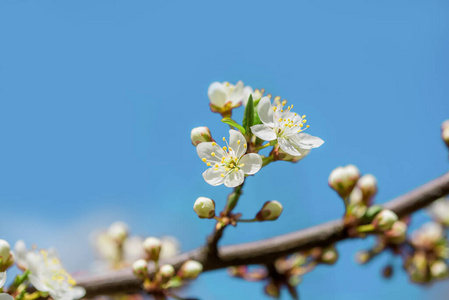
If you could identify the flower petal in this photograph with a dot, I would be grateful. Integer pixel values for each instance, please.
(2, 279)
(288, 146)
(247, 90)
(236, 95)
(217, 94)
(77, 292)
(213, 177)
(265, 111)
(306, 141)
(234, 179)
(252, 163)
(264, 132)
(206, 149)
(4, 296)
(37, 283)
(237, 142)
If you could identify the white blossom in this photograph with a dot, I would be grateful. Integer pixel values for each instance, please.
(224, 96)
(230, 164)
(285, 126)
(4, 296)
(439, 210)
(48, 275)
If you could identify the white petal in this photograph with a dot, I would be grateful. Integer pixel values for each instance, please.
(217, 94)
(236, 95)
(206, 149)
(38, 284)
(213, 177)
(265, 111)
(5, 296)
(288, 146)
(306, 141)
(247, 90)
(263, 132)
(234, 138)
(77, 292)
(252, 163)
(2, 279)
(234, 179)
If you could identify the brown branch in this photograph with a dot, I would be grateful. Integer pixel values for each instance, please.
(267, 250)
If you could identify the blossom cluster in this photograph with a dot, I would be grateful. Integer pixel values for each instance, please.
(42, 269)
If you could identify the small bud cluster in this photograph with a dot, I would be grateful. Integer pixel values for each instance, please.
(287, 272)
(343, 180)
(424, 252)
(119, 249)
(165, 277)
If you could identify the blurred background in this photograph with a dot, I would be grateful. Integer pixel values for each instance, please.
(98, 99)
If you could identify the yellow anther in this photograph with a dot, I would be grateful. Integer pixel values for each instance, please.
(213, 154)
(292, 106)
(296, 114)
(214, 144)
(224, 139)
(269, 96)
(227, 83)
(284, 102)
(224, 148)
(230, 149)
(308, 126)
(238, 142)
(241, 165)
(285, 120)
(204, 159)
(274, 108)
(303, 116)
(208, 164)
(216, 166)
(301, 125)
(282, 110)
(232, 166)
(277, 98)
(304, 120)
(222, 175)
(280, 120)
(245, 145)
(216, 169)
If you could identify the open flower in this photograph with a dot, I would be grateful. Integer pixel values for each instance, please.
(225, 96)
(230, 164)
(48, 275)
(285, 126)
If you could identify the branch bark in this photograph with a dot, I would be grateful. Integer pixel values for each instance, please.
(267, 250)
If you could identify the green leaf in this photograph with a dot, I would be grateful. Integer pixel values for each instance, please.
(233, 123)
(248, 118)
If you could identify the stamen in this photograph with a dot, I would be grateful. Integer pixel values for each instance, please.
(204, 159)
(303, 116)
(208, 164)
(241, 165)
(213, 154)
(238, 142)
(222, 175)
(224, 148)
(244, 145)
(214, 144)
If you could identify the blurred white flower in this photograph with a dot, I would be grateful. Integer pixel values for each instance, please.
(285, 126)
(439, 210)
(428, 235)
(224, 96)
(230, 164)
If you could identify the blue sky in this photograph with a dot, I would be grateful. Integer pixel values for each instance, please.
(98, 99)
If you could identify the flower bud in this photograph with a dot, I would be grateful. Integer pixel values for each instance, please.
(6, 258)
(439, 270)
(152, 247)
(190, 269)
(428, 235)
(445, 135)
(204, 208)
(140, 268)
(118, 231)
(167, 271)
(397, 233)
(368, 185)
(343, 179)
(384, 220)
(329, 255)
(200, 134)
(270, 211)
(272, 289)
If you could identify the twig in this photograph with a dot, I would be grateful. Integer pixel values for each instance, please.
(267, 250)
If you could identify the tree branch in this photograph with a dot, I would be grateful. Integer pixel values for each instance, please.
(267, 250)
